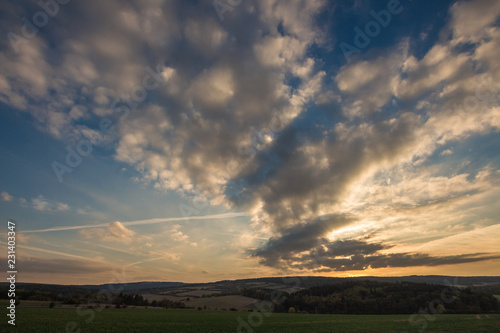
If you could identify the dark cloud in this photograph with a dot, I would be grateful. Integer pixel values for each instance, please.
(350, 255)
(298, 238)
(318, 173)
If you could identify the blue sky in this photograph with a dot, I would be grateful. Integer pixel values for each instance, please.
(201, 141)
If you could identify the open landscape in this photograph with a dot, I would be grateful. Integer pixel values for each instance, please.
(319, 304)
(250, 166)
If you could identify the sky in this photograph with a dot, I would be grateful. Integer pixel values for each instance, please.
(196, 141)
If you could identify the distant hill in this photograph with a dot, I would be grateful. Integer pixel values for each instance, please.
(86, 287)
(294, 282)
(359, 295)
(132, 286)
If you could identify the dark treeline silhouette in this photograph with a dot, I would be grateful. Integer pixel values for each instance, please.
(122, 300)
(371, 297)
(89, 297)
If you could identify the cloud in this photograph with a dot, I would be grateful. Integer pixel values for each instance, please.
(41, 204)
(258, 126)
(118, 230)
(368, 85)
(177, 235)
(447, 152)
(353, 255)
(472, 18)
(328, 176)
(298, 238)
(115, 231)
(6, 196)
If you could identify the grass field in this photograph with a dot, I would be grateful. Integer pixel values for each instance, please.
(42, 320)
(222, 302)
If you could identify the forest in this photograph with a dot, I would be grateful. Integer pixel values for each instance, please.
(371, 297)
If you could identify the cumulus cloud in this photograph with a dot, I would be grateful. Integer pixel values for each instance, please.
(366, 86)
(116, 231)
(41, 204)
(327, 176)
(6, 196)
(472, 18)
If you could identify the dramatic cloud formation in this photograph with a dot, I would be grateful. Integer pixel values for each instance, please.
(338, 165)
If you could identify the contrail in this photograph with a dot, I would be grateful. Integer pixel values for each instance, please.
(141, 222)
(37, 249)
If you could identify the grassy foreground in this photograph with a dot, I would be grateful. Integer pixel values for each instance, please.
(160, 320)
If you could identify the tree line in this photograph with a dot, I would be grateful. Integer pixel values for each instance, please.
(88, 297)
(371, 297)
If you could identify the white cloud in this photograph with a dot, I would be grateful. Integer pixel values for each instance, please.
(205, 35)
(447, 152)
(116, 231)
(366, 86)
(471, 19)
(213, 88)
(41, 204)
(6, 196)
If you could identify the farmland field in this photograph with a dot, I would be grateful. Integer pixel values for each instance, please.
(223, 302)
(42, 320)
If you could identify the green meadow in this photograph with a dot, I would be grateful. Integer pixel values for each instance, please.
(40, 320)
